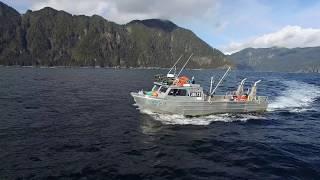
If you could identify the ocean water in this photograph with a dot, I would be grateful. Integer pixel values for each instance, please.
(81, 123)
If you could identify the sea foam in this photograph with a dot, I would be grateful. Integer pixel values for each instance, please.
(297, 97)
(173, 119)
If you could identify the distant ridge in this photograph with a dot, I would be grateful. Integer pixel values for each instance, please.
(278, 59)
(48, 37)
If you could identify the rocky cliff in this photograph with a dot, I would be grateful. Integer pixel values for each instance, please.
(56, 38)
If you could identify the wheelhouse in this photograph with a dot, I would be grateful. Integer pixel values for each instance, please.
(192, 90)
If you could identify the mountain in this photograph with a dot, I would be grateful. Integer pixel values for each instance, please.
(278, 59)
(56, 38)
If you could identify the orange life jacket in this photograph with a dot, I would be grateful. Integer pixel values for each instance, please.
(182, 80)
(242, 98)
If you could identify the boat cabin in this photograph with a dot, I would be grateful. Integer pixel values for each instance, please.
(174, 91)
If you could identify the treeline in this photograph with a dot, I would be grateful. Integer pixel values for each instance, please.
(55, 38)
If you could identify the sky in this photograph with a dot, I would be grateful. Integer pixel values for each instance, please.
(228, 25)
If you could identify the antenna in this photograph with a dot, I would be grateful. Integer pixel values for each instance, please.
(175, 64)
(185, 65)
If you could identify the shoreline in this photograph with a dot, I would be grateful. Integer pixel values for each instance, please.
(143, 68)
(96, 67)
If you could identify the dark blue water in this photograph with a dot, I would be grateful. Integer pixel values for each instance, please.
(81, 124)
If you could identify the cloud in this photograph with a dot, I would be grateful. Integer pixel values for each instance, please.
(218, 22)
(289, 36)
(123, 11)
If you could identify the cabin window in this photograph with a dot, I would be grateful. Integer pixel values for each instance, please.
(177, 92)
(163, 89)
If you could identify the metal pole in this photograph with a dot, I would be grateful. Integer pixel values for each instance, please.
(243, 80)
(211, 82)
(225, 74)
(185, 65)
(175, 64)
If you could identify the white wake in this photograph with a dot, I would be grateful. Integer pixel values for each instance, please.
(297, 97)
(203, 120)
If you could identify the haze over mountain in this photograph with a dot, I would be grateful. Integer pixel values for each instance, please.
(278, 59)
(56, 38)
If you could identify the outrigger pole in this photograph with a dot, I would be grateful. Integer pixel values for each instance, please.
(225, 74)
(175, 64)
(185, 65)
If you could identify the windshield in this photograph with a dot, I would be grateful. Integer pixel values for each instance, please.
(163, 89)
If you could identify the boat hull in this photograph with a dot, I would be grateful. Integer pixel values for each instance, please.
(196, 107)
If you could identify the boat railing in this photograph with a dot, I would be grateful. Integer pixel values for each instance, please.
(228, 97)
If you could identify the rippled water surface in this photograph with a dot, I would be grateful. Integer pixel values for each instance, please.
(72, 123)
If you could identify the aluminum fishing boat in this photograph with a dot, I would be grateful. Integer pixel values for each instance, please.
(175, 94)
